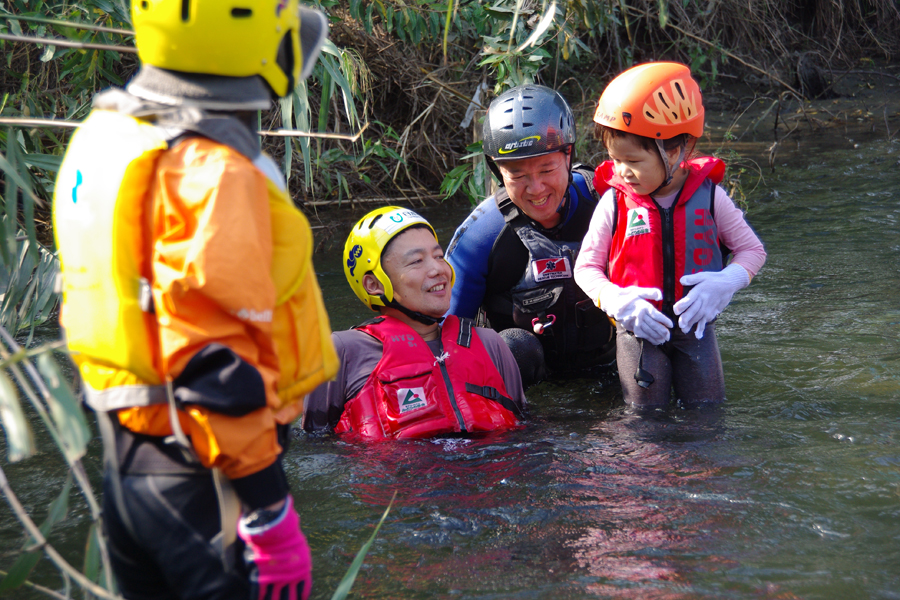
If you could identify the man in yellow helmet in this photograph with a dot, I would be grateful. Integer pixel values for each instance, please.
(410, 373)
(190, 304)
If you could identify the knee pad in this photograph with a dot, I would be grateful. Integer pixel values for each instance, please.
(526, 348)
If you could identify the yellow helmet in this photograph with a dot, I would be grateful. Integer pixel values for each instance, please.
(367, 241)
(270, 38)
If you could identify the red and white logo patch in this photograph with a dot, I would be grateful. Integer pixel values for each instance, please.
(638, 222)
(411, 399)
(546, 269)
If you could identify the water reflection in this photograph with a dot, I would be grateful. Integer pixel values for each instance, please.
(617, 504)
(789, 490)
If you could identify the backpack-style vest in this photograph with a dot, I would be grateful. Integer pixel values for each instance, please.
(413, 394)
(101, 218)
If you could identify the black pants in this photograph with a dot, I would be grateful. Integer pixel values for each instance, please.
(692, 367)
(162, 548)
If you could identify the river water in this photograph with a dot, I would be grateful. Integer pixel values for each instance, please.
(790, 490)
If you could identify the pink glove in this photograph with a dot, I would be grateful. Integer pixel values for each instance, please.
(281, 556)
(629, 307)
(710, 295)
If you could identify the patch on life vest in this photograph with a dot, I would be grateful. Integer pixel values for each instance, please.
(638, 222)
(545, 269)
(411, 399)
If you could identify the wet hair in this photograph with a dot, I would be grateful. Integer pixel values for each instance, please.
(607, 134)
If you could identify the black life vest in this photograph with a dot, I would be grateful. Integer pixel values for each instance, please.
(581, 335)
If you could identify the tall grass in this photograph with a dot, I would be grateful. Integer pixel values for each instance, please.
(411, 68)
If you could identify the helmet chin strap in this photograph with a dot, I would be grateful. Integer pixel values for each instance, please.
(670, 170)
(417, 316)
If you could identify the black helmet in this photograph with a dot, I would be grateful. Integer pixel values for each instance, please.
(526, 121)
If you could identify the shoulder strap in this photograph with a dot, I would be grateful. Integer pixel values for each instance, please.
(585, 188)
(612, 233)
(464, 338)
(506, 206)
(723, 248)
(366, 323)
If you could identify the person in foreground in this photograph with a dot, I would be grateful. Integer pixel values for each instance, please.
(655, 253)
(190, 304)
(409, 372)
(515, 252)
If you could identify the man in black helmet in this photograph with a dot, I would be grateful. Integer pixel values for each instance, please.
(515, 252)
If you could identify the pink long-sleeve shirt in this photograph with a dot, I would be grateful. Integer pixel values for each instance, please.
(591, 266)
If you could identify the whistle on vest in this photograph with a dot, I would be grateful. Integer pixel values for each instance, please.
(539, 325)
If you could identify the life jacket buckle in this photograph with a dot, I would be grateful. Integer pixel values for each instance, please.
(539, 325)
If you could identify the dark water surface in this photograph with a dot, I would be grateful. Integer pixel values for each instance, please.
(790, 490)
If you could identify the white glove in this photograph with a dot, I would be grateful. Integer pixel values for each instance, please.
(710, 295)
(629, 307)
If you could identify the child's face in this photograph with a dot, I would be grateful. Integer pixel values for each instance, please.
(642, 169)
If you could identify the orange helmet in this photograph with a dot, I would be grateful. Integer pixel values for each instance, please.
(656, 100)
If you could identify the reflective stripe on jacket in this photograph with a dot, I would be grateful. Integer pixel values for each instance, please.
(412, 394)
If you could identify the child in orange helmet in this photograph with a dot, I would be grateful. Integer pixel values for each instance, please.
(656, 252)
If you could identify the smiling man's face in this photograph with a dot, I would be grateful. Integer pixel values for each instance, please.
(419, 274)
(537, 185)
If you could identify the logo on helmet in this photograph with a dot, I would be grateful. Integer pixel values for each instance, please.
(518, 145)
(355, 252)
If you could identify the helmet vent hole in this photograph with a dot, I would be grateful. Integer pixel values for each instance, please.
(372, 224)
(507, 127)
(185, 10)
(145, 5)
(241, 13)
(678, 89)
(527, 124)
(663, 100)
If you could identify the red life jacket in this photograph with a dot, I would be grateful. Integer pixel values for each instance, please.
(412, 394)
(655, 247)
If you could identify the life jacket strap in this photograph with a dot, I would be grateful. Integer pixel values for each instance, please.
(492, 393)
